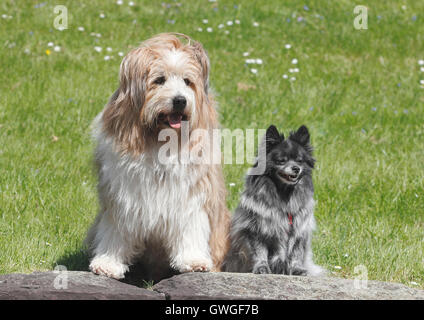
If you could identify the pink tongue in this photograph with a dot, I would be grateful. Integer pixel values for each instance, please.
(175, 120)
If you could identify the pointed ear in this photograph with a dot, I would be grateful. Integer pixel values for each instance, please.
(272, 137)
(301, 136)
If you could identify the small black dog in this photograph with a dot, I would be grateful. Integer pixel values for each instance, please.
(272, 226)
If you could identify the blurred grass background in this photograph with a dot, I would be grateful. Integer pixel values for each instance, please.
(358, 91)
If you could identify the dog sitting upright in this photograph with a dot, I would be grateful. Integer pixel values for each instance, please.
(272, 226)
(166, 213)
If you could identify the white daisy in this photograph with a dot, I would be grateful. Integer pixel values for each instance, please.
(294, 61)
(199, 29)
(107, 58)
(292, 78)
(285, 76)
(237, 21)
(109, 49)
(255, 24)
(205, 21)
(98, 49)
(226, 32)
(287, 46)
(259, 61)
(231, 184)
(254, 71)
(56, 48)
(422, 69)
(245, 54)
(102, 16)
(220, 26)
(229, 23)
(120, 53)
(119, 2)
(50, 44)
(421, 62)
(337, 267)
(81, 29)
(209, 29)
(131, 4)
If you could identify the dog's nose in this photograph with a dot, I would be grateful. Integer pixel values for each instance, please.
(295, 169)
(179, 103)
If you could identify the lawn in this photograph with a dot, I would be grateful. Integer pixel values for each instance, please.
(358, 91)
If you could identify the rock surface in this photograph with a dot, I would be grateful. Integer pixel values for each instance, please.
(69, 285)
(250, 286)
(54, 285)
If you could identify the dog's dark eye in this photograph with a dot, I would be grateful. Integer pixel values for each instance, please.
(160, 80)
(187, 81)
(283, 160)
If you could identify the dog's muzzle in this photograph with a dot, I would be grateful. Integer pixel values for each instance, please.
(177, 114)
(290, 174)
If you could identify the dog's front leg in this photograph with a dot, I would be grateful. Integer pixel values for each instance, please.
(111, 252)
(278, 261)
(296, 256)
(259, 257)
(190, 251)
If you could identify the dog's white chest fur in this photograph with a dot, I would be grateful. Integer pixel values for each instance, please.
(146, 201)
(152, 197)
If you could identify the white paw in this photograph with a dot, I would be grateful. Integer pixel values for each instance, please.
(193, 266)
(107, 266)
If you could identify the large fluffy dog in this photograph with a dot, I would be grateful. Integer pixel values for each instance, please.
(169, 214)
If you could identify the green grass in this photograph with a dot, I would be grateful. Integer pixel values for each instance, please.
(357, 91)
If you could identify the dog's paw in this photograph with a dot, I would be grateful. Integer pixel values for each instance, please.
(109, 267)
(279, 266)
(194, 266)
(261, 269)
(298, 271)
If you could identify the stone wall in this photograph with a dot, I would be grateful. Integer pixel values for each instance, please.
(76, 285)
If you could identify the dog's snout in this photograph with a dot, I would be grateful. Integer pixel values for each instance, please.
(179, 103)
(295, 169)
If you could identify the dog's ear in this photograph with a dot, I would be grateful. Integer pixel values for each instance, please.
(133, 75)
(272, 137)
(121, 117)
(301, 136)
(203, 59)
